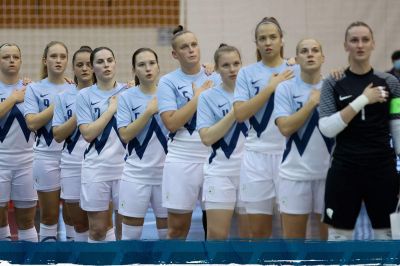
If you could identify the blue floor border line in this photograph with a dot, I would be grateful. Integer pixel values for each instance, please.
(215, 252)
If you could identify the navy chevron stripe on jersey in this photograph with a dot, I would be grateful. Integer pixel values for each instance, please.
(301, 143)
(99, 144)
(260, 127)
(191, 125)
(48, 136)
(171, 136)
(141, 148)
(228, 148)
(15, 113)
(70, 143)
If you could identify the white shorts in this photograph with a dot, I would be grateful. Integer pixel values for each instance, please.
(134, 200)
(259, 176)
(221, 192)
(70, 188)
(301, 197)
(17, 185)
(46, 175)
(96, 196)
(181, 185)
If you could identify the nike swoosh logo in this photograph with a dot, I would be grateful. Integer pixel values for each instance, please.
(43, 95)
(134, 109)
(342, 98)
(179, 88)
(94, 103)
(295, 97)
(69, 105)
(221, 105)
(254, 82)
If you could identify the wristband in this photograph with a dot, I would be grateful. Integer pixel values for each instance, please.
(359, 103)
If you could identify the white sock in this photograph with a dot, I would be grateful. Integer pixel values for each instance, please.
(130, 232)
(94, 241)
(69, 232)
(48, 233)
(382, 234)
(5, 234)
(81, 237)
(28, 235)
(110, 236)
(335, 234)
(162, 233)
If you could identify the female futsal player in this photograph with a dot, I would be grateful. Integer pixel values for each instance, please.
(306, 158)
(16, 154)
(104, 157)
(140, 127)
(177, 96)
(65, 129)
(254, 100)
(39, 102)
(358, 110)
(218, 128)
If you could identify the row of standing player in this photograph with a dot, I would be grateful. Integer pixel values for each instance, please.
(182, 173)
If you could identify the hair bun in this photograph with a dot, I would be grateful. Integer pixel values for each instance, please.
(85, 47)
(222, 45)
(178, 29)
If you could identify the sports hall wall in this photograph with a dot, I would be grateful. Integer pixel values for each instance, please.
(126, 25)
(234, 21)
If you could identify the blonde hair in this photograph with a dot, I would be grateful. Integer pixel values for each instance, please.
(43, 69)
(302, 40)
(178, 31)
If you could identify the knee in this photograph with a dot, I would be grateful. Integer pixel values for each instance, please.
(81, 224)
(98, 232)
(25, 223)
(217, 234)
(177, 233)
(49, 215)
(3, 216)
(80, 228)
(261, 233)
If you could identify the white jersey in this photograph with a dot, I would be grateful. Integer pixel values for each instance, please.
(174, 92)
(307, 153)
(16, 140)
(74, 145)
(38, 97)
(263, 135)
(104, 157)
(227, 152)
(146, 152)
